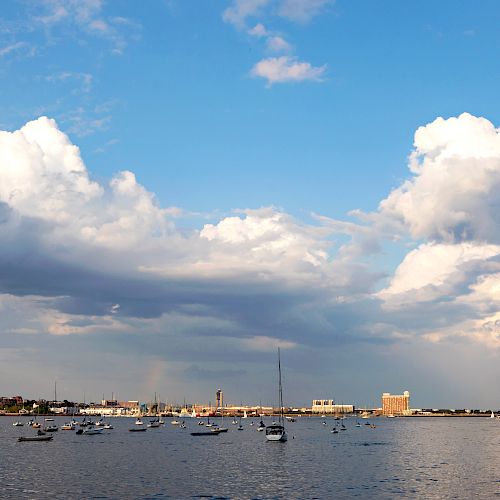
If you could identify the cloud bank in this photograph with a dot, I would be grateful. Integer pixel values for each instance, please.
(106, 262)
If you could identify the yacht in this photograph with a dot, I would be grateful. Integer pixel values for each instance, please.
(277, 432)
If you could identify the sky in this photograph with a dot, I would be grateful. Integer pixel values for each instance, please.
(187, 185)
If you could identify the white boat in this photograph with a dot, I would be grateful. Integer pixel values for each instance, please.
(193, 414)
(68, 427)
(138, 421)
(17, 424)
(492, 415)
(154, 423)
(244, 414)
(277, 432)
(175, 422)
(93, 430)
(107, 426)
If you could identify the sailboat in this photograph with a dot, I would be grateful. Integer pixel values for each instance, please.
(277, 432)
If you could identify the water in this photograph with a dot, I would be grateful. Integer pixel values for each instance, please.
(401, 457)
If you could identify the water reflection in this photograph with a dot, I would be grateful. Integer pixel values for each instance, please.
(414, 457)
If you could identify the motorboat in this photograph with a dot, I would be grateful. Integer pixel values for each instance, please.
(108, 426)
(175, 422)
(262, 426)
(93, 430)
(67, 427)
(138, 421)
(154, 423)
(17, 424)
(51, 428)
(138, 429)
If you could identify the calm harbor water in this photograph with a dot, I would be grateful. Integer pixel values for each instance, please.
(401, 457)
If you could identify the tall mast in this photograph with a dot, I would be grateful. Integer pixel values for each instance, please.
(280, 388)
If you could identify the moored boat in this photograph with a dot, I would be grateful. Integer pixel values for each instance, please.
(277, 432)
(35, 438)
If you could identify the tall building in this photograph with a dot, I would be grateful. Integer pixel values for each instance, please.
(396, 404)
(219, 395)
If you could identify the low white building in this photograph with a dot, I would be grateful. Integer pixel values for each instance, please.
(329, 406)
(125, 409)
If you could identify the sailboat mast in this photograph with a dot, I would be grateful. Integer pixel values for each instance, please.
(280, 388)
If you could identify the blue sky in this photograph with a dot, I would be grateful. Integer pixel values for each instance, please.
(253, 129)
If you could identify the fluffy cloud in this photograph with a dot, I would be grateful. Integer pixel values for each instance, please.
(278, 44)
(454, 193)
(302, 10)
(241, 9)
(278, 69)
(287, 69)
(293, 10)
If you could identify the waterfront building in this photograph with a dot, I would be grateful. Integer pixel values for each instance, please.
(396, 404)
(122, 409)
(329, 406)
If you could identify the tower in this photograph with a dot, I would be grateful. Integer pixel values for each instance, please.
(219, 395)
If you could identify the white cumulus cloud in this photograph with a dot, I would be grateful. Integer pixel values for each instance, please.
(286, 69)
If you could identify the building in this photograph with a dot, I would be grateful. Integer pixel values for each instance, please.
(329, 406)
(121, 408)
(396, 404)
(219, 395)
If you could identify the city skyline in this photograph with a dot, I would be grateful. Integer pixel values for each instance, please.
(187, 186)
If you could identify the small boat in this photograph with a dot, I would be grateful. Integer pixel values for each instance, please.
(93, 430)
(17, 424)
(492, 415)
(290, 419)
(51, 428)
(343, 427)
(108, 426)
(213, 432)
(251, 423)
(201, 422)
(240, 427)
(36, 425)
(67, 427)
(183, 426)
(138, 429)
(367, 423)
(161, 421)
(324, 423)
(138, 421)
(48, 419)
(234, 422)
(154, 423)
(334, 431)
(35, 438)
(175, 422)
(358, 424)
(262, 426)
(391, 416)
